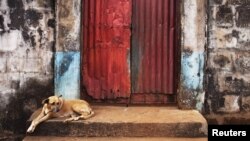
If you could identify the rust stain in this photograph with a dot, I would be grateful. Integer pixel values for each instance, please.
(106, 48)
(153, 46)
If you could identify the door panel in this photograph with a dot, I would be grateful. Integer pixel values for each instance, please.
(153, 46)
(106, 48)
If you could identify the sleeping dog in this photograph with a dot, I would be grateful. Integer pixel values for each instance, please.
(56, 106)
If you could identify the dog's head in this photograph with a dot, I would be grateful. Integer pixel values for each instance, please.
(53, 103)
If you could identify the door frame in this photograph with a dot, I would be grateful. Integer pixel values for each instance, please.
(189, 95)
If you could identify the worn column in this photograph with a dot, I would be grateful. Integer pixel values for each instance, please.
(193, 23)
(67, 56)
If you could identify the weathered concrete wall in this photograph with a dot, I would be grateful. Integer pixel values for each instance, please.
(67, 61)
(228, 64)
(193, 25)
(26, 59)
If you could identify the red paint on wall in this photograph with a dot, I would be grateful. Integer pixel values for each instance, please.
(106, 48)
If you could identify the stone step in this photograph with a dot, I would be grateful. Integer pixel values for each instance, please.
(115, 121)
(53, 138)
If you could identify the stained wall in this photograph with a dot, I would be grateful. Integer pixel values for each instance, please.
(26, 59)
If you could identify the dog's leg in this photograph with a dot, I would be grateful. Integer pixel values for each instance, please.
(86, 115)
(82, 113)
(73, 117)
(82, 116)
(32, 125)
(36, 121)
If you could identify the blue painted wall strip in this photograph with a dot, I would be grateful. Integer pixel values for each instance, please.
(67, 74)
(192, 66)
(192, 75)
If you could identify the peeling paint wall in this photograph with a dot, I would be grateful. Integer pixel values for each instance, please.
(67, 61)
(67, 70)
(228, 64)
(191, 90)
(26, 59)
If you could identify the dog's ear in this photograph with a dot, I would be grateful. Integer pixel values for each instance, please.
(60, 96)
(45, 101)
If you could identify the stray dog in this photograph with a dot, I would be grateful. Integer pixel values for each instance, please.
(56, 106)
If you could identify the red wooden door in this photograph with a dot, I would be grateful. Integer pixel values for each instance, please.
(153, 49)
(106, 48)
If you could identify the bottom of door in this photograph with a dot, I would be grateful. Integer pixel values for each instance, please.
(136, 98)
(139, 98)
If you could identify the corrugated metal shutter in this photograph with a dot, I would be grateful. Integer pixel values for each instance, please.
(153, 45)
(106, 48)
(107, 55)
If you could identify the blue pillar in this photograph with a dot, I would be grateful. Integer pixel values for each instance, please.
(191, 91)
(67, 74)
(68, 44)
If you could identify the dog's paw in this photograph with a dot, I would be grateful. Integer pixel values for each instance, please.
(66, 121)
(71, 119)
(30, 129)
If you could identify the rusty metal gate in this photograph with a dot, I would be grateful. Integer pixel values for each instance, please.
(153, 34)
(106, 48)
(114, 68)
